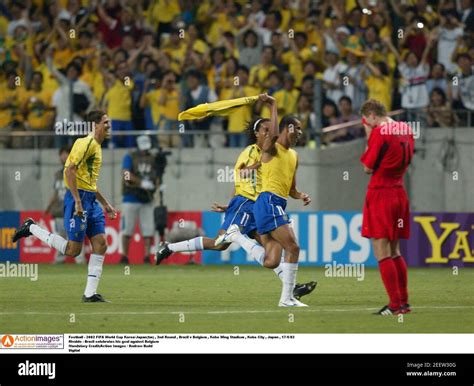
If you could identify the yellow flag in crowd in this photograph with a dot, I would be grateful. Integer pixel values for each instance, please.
(215, 108)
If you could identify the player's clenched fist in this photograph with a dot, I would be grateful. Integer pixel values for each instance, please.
(111, 212)
(266, 98)
(306, 199)
(79, 210)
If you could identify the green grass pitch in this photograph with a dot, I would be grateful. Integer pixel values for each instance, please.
(212, 299)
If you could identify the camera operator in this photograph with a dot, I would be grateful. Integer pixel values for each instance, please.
(142, 172)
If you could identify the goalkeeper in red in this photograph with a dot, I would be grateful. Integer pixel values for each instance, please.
(386, 214)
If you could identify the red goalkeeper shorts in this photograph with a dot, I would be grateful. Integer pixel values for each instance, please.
(386, 214)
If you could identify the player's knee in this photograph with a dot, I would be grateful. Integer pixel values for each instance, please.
(100, 246)
(101, 249)
(293, 249)
(73, 250)
(271, 264)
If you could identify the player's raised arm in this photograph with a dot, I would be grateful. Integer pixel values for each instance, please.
(274, 132)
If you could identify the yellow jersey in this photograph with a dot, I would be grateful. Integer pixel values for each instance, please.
(119, 101)
(286, 101)
(380, 90)
(13, 112)
(240, 116)
(86, 154)
(278, 173)
(252, 186)
(39, 115)
(259, 75)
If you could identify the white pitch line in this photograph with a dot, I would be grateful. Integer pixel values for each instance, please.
(224, 312)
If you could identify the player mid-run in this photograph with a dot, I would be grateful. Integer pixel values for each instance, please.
(247, 186)
(386, 214)
(82, 213)
(278, 166)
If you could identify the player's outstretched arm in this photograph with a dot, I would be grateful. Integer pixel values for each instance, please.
(111, 212)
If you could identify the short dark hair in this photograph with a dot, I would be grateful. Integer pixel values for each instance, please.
(243, 68)
(302, 35)
(288, 120)
(277, 15)
(95, 116)
(64, 148)
(373, 106)
(463, 55)
(193, 73)
(74, 65)
(269, 48)
(440, 91)
(85, 33)
(345, 98)
(11, 73)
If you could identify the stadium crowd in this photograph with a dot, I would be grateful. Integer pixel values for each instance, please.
(144, 61)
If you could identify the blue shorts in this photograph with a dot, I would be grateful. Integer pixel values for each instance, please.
(269, 212)
(93, 221)
(240, 212)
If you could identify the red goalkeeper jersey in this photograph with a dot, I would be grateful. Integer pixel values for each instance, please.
(389, 152)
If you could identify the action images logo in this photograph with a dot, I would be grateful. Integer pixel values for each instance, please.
(31, 341)
(7, 341)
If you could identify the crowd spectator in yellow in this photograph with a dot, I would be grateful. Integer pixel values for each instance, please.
(10, 113)
(241, 116)
(259, 73)
(167, 98)
(287, 97)
(37, 108)
(118, 101)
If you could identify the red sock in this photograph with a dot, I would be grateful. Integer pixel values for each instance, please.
(402, 272)
(390, 281)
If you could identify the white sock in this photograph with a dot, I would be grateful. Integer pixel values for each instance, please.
(190, 245)
(279, 272)
(250, 246)
(53, 240)
(94, 273)
(289, 279)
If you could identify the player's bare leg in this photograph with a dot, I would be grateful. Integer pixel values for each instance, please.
(267, 252)
(95, 267)
(286, 237)
(166, 249)
(388, 271)
(401, 266)
(273, 250)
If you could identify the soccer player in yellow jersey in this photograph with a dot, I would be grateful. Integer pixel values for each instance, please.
(82, 213)
(247, 185)
(240, 212)
(278, 167)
